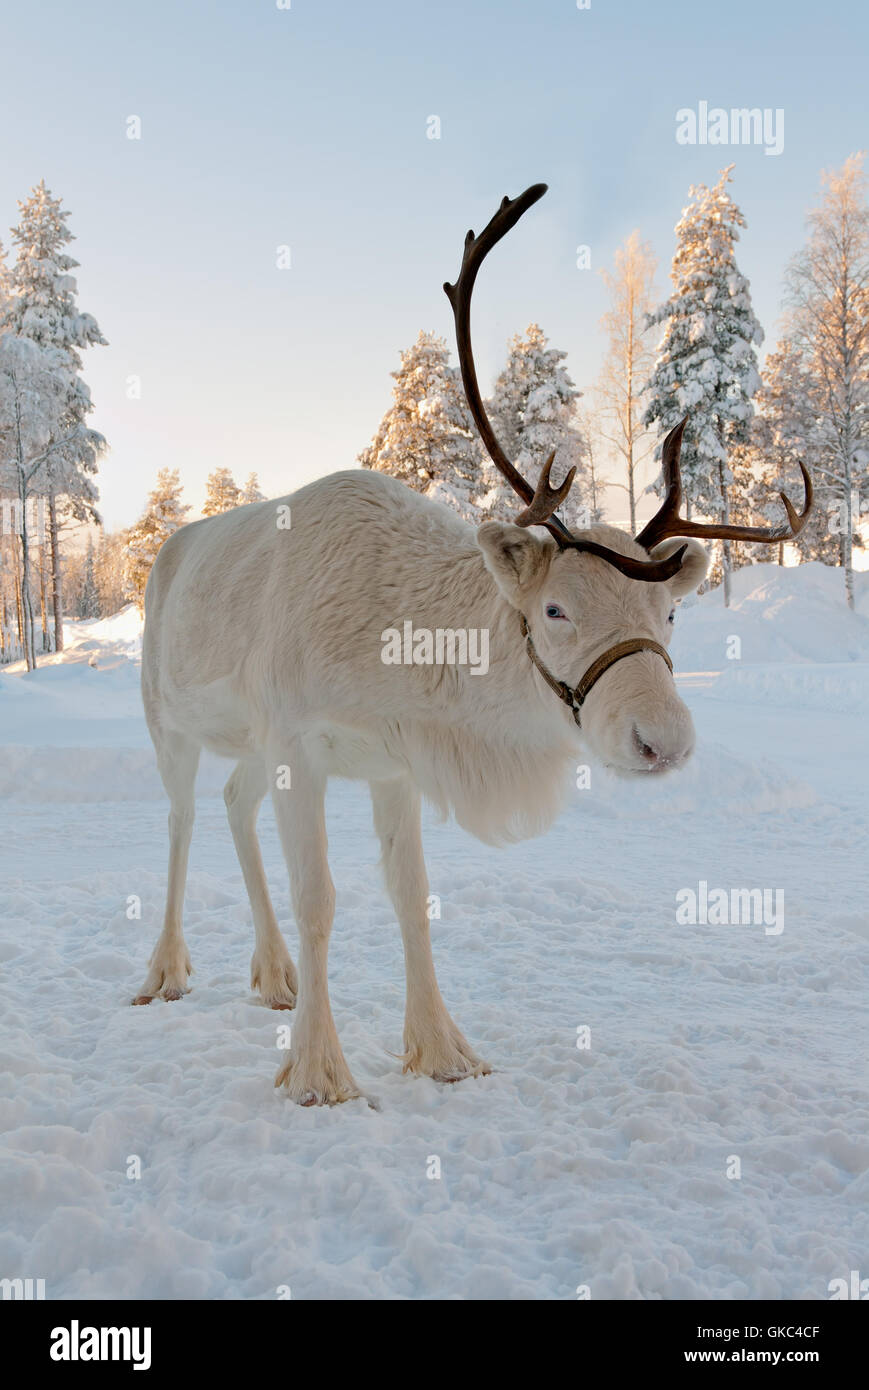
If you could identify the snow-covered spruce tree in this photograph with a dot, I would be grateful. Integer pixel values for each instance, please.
(784, 433)
(163, 515)
(707, 363)
(89, 599)
(9, 583)
(251, 492)
(427, 437)
(35, 428)
(828, 294)
(222, 493)
(533, 411)
(42, 307)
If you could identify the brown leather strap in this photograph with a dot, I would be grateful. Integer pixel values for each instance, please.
(614, 654)
(562, 690)
(575, 696)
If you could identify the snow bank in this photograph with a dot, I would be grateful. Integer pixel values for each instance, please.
(831, 688)
(89, 772)
(716, 777)
(120, 634)
(780, 614)
(103, 642)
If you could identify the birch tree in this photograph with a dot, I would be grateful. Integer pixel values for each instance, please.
(628, 363)
(828, 293)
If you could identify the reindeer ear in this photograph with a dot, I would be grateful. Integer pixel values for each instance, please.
(694, 564)
(514, 557)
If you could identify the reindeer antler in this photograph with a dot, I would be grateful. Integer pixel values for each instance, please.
(542, 501)
(667, 521)
(546, 498)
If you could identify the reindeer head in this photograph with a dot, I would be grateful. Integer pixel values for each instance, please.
(587, 602)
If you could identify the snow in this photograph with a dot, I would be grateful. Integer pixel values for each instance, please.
(603, 1167)
(795, 614)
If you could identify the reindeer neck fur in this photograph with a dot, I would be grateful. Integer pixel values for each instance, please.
(494, 749)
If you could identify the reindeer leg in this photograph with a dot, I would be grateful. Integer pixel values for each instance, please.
(315, 1072)
(177, 759)
(271, 970)
(434, 1045)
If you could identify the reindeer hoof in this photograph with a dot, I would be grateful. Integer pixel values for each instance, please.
(275, 980)
(168, 992)
(317, 1080)
(447, 1056)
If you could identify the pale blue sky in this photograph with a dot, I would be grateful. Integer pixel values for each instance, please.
(307, 127)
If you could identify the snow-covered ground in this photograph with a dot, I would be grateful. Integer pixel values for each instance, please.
(604, 1166)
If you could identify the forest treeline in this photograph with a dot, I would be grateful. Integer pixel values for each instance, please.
(692, 352)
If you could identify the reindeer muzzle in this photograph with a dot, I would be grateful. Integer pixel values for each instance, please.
(575, 695)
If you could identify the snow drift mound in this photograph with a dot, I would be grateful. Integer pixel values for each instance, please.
(73, 730)
(87, 695)
(715, 778)
(839, 689)
(89, 773)
(781, 614)
(119, 635)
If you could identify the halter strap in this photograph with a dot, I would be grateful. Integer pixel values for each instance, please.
(575, 695)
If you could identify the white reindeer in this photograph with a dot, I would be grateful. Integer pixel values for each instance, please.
(264, 644)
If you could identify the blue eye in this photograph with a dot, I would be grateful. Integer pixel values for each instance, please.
(553, 611)
(672, 617)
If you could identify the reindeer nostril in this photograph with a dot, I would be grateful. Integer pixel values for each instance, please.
(648, 752)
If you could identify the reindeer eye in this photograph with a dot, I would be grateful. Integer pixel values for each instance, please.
(672, 617)
(553, 611)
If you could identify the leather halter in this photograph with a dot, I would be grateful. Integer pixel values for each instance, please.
(575, 695)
